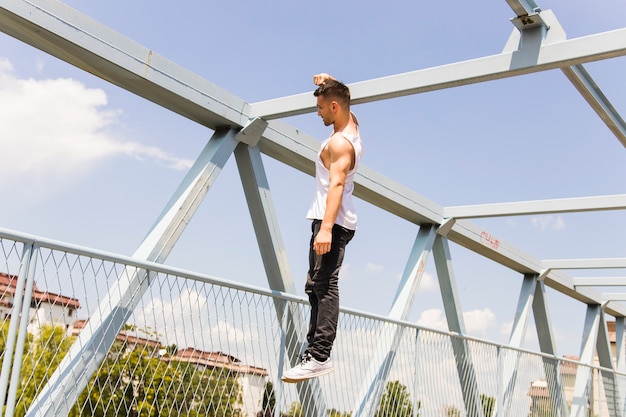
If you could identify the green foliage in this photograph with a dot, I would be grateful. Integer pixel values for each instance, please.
(489, 405)
(132, 381)
(269, 401)
(4, 331)
(136, 382)
(295, 410)
(336, 413)
(41, 357)
(396, 401)
(452, 411)
(4, 334)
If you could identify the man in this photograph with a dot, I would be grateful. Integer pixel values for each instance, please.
(333, 224)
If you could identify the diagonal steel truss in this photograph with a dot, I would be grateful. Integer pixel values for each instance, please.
(248, 130)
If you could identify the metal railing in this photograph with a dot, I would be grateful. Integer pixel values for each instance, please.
(202, 346)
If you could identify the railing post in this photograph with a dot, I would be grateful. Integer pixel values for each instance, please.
(28, 268)
(18, 299)
(416, 404)
(500, 379)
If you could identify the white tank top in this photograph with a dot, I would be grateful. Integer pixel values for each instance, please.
(347, 215)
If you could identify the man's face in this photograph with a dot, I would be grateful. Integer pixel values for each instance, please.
(325, 109)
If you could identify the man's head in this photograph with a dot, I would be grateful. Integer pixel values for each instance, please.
(334, 90)
(333, 97)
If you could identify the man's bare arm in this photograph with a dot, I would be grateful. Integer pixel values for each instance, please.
(340, 162)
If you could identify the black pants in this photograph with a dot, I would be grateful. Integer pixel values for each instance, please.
(322, 287)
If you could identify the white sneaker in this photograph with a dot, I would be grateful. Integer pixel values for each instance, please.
(308, 367)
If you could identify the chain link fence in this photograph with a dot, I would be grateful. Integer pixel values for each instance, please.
(200, 346)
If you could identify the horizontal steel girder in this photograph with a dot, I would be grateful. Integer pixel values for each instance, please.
(507, 64)
(562, 205)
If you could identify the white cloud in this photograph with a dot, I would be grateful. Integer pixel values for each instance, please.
(511, 222)
(187, 321)
(506, 328)
(548, 222)
(433, 319)
(477, 322)
(373, 268)
(428, 282)
(530, 338)
(345, 272)
(58, 127)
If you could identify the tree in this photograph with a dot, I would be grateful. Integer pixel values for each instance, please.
(336, 413)
(137, 382)
(396, 401)
(42, 356)
(123, 385)
(269, 401)
(295, 410)
(4, 331)
(133, 380)
(452, 411)
(489, 404)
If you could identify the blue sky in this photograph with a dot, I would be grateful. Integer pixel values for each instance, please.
(86, 162)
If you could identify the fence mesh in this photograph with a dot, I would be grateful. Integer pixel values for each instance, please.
(197, 346)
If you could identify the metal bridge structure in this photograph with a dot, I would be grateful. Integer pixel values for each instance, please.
(444, 372)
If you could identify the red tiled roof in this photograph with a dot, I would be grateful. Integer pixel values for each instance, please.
(193, 353)
(569, 368)
(136, 340)
(538, 392)
(121, 336)
(8, 284)
(611, 328)
(189, 355)
(215, 360)
(79, 325)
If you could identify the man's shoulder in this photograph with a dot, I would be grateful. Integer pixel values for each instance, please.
(340, 141)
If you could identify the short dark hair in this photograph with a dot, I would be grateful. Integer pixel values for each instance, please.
(335, 90)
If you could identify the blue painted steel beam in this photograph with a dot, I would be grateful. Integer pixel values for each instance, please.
(547, 344)
(610, 383)
(456, 323)
(273, 253)
(584, 374)
(522, 7)
(545, 57)
(94, 342)
(373, 384)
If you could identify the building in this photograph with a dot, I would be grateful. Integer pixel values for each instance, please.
(59, 310)
(252, 379)
(539, 392)
(45, 306)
